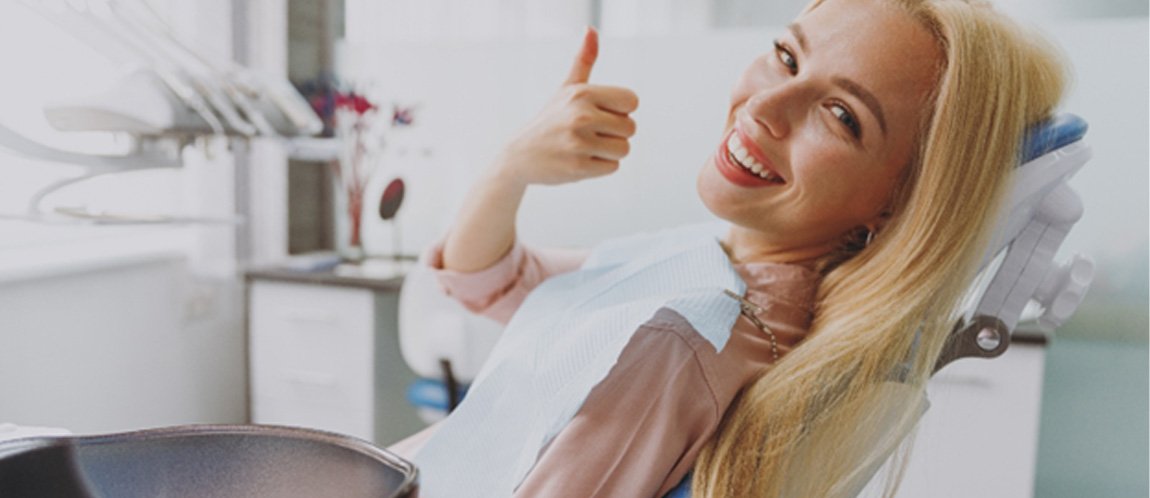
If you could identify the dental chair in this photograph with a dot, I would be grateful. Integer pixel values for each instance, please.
(1019, 282)
(442, 342)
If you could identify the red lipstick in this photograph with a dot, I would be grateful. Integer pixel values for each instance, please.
(735, 173)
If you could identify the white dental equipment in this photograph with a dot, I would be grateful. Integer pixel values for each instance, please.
(1042, 210)
(1020, 280)
(176, 96)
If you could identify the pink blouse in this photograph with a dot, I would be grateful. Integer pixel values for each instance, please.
(641, 428)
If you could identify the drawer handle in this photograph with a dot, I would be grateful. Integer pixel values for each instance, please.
(312, 379)
(307, 316)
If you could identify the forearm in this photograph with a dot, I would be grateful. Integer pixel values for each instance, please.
(485, 228)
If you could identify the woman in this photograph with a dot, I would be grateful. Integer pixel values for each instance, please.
(862, 160)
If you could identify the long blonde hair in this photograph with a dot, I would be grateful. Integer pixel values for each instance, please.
(817, 423)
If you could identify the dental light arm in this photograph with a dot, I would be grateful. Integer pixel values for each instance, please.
(224, 97)
(96, 24)
(273, 106)
(175, 96)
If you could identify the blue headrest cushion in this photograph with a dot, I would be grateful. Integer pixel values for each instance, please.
(1054, 133)
(431, 393)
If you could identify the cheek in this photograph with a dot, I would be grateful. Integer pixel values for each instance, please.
(867, 198)
(847, 186)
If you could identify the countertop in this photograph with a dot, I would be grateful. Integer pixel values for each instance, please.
(326, 269)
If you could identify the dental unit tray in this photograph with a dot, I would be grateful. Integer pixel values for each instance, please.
(173, 97)
(203, 461)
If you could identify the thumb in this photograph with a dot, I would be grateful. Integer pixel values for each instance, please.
(581, 69)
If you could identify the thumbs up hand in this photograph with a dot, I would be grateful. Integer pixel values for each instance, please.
(581, 133)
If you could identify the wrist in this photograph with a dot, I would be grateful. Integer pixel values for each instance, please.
(504, 176)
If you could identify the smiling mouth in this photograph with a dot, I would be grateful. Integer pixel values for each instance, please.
(739, 156)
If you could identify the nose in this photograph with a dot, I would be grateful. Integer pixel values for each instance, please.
(777, 108)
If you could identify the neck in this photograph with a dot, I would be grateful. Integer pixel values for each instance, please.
(751, 246)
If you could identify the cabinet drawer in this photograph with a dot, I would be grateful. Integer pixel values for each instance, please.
(311, 342)
(313, 385)
(333, 417)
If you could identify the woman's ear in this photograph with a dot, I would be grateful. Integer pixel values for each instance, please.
(876, 225)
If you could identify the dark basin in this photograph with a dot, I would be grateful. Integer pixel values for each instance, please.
(203, 461)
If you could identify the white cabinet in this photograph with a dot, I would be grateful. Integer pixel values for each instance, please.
(327, 357)
(980, 435)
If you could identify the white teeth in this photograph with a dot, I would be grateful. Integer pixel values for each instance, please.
(746, 160)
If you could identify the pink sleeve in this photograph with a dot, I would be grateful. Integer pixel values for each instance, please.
(497, 291)
(639, 431)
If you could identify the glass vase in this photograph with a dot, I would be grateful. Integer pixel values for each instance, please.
(348, 213)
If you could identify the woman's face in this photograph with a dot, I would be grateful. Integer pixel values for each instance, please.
(820, 129)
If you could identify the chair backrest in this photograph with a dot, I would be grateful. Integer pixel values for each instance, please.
(435, 327)
(1019, 270)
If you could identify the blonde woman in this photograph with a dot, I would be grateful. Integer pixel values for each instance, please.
(863, 157)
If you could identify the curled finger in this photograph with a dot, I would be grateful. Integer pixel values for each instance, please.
(615, 125)
(614, 99)
(595, 166)
(610, 148)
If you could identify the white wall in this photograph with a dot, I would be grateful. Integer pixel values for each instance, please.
(377, 21)
(142, 343)
(474, 96)
(1111, 58)
(114, 328)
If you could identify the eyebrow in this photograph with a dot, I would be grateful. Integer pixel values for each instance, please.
(865, 96)
(858, 91)
(799, 35)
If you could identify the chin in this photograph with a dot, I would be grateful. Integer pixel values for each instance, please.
(709, 186)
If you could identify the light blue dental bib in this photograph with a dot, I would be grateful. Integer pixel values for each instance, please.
(562, 341)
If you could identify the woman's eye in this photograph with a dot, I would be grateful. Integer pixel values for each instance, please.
(847, 119)
(787, 58)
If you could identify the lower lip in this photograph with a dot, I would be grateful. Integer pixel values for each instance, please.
(737, 174)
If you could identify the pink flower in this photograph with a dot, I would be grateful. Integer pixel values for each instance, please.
(354, 102)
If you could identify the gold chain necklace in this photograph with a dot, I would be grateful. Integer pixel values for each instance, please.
(751, 311)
